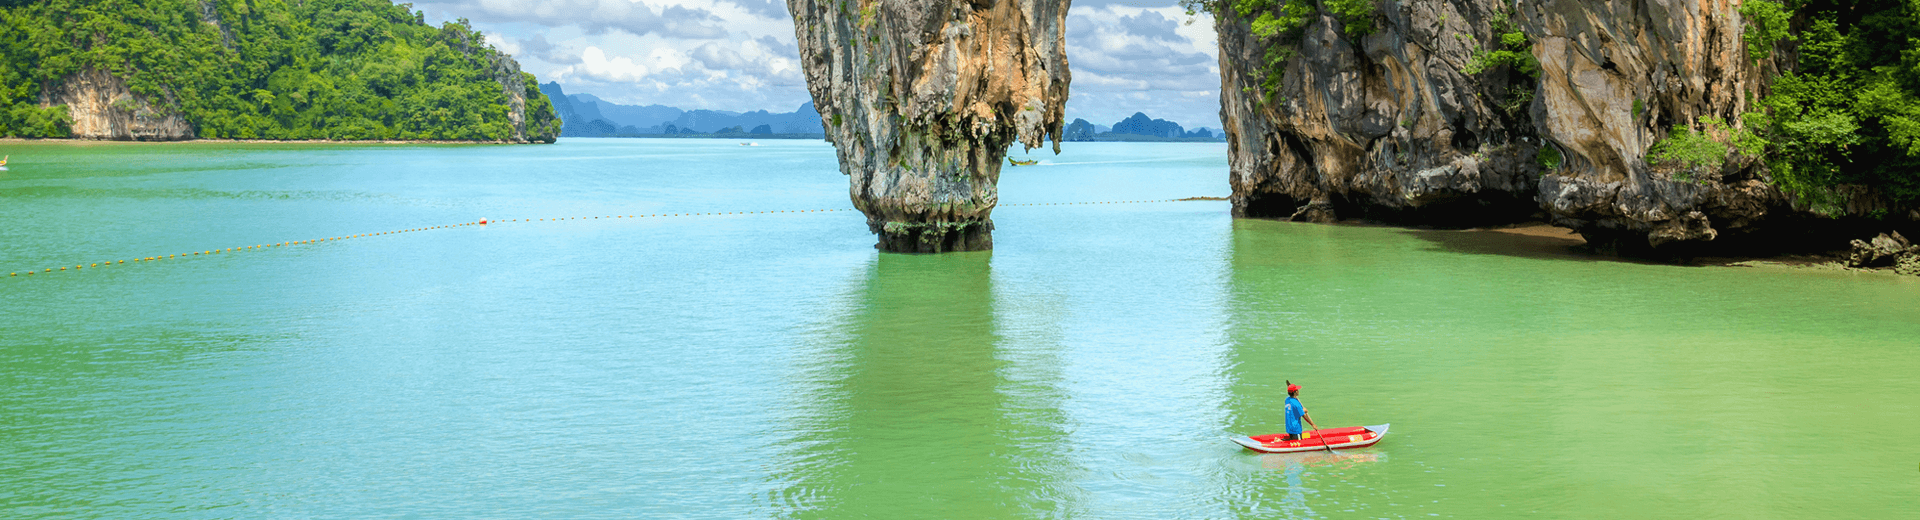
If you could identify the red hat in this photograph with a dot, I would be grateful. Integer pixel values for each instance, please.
(1293, 388)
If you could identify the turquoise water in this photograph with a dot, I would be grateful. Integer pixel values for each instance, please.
(775, 365)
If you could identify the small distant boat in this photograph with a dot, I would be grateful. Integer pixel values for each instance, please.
(749, 144)
(1337, 438)
(3, 163)
(1028, 162)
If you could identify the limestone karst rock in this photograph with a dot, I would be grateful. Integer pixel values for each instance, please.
(103, 107)
(921, 99)
(1884, 250)
(1394, 125)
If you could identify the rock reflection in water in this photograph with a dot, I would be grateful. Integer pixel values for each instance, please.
(918, 414)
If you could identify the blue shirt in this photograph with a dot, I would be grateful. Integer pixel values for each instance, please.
(1294, 413)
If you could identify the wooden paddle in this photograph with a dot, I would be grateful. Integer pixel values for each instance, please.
(1316, 427)
(1323, 440)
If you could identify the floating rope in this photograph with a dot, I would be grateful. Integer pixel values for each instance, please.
(483, 222)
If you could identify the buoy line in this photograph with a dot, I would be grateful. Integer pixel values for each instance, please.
(482, 222)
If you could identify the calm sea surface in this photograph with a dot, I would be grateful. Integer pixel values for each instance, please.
(775, 365)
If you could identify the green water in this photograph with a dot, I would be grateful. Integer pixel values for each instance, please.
(776, 366)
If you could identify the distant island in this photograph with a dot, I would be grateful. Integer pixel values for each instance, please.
(1138, 128)
(336, 70)
(589, 116)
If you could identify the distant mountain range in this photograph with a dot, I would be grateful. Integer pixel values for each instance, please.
(587, 116)
(1137, 127)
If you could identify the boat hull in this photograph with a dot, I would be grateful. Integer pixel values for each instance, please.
(1335, 438)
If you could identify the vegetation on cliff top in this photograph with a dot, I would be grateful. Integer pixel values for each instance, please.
(267, 69)
(1278, 24)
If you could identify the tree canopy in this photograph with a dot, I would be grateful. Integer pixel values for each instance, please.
(1847, 111)
(269, 69)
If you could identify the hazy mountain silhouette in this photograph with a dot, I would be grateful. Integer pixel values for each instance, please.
(1137, 127)
(586, 115)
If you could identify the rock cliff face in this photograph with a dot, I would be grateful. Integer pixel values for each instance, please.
(921, 99)
(1389, 127)
(529, 126)
(103, 108)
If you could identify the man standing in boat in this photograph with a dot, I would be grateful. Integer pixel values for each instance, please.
(1296, 412)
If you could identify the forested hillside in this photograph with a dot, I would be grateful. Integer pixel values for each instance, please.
(257, 69)
(1846, 111)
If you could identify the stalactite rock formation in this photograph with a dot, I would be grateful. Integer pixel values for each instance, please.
(921, 99)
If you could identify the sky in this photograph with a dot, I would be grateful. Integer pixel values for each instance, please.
(1127, 55)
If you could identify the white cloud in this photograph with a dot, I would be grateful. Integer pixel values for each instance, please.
(595, 65)
(594, 16)
(1130, 59)
(1127, 55)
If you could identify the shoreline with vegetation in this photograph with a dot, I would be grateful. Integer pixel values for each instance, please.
(326, 70)
(73, 140)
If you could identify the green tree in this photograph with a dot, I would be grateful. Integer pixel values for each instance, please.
(269, 69)
(1848, 113)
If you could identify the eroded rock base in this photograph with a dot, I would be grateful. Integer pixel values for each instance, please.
(1782, 235)
(933, 237)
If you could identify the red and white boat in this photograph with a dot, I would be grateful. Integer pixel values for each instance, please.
(1337, 438)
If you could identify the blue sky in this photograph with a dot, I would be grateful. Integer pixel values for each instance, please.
(1127, 55)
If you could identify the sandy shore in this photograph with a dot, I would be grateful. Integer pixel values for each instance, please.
(1536, 229)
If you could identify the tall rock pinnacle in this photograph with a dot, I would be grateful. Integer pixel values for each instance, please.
(922, 98)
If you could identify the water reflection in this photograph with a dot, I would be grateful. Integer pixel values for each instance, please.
(1294, 468)
(1319, 459)
(1294, 286)
(912, 412)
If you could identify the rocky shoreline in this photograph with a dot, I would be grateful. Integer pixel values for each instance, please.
(1892, 256)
